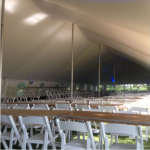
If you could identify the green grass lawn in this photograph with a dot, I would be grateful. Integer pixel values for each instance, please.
(122, 139)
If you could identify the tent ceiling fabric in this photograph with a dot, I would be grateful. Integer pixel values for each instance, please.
(37, 39)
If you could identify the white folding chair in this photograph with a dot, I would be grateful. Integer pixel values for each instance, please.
(62, 101)
(37, 127)
(39, 138)
(6, 125)
(13, 135)
(95, 102)
(98, 99)
(92, 110)
(63, 106)
(119, 129)
(48, 101)
(4, 106)
(22, 106)
(37, 101)
(11, 105)
(80, 107)
(141, 110)
(126, 112)
(94, 130)
(79, 101)
(62, 109)
(121, 112)
(108, 108)
(40, 107)
(75, 143)
(108, 102)
(24, 99)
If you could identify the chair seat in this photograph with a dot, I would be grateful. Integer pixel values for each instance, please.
(9, 125)
(34, 126)
(55, 128)
(6, 136)
(95, 130)
(122, 146)
(76, 144)
(38, 138)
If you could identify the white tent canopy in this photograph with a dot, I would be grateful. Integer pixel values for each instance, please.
(37, 40)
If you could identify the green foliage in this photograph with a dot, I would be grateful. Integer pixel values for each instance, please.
(77, 87)
(121, 139)
(85, 87)
(128, 87)
(92, 87)
(57, 85)
(101, 87)
(20, 91)
(68, 88)
(42, 85)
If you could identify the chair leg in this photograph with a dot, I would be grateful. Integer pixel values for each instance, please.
(15, 142)
(146, 133)
(68, 135)
(11, 138)
(42, 130)
(31, 131)
(10, 144)
(42, 147)
(78, 135)
(37, 146)
(111, 142)
(116, 138)
(100, 146)
(45, 140)
(5, 129)
(83, 135)
(29, 146)
(4, 144)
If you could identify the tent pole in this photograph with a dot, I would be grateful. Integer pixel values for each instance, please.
(114, 74)
(123, 77)
(2, 6)
(8, 88)
(99, 71)
(124, 87)
(72, 60)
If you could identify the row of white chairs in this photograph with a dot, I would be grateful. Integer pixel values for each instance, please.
(114, 109)
(47, 138)
(131, 110)
(26, 106)
(66, 94)
(69, 107)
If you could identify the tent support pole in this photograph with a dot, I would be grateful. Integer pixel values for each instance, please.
(72, 60)
(8, 88)
(124, 87)
(123, 77)
(2, 6)
(99, 71)
(114, 74)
